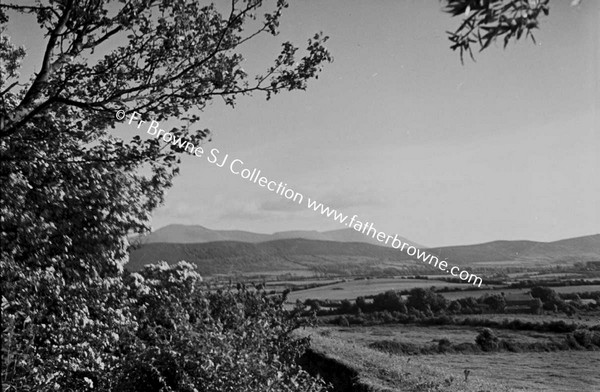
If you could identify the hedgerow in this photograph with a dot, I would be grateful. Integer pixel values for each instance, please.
(156, 330)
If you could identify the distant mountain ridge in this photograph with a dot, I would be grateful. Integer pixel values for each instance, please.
(310, 256)
(585, 248)
(196, 234)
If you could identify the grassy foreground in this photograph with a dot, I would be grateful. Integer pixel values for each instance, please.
(380, 372)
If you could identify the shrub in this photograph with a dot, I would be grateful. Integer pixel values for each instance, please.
(495, 302)
(509, 346)
(444, 345)
(342, 321)
(583, 337)
(346, 307)
(157, 330)
(426, 299)
(390, 300)
(487, 340)
(549, 297)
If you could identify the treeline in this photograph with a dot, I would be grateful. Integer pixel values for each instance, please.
(386, 317)
(525, 284)
(487, 341)
(595, 295)
(421, 302)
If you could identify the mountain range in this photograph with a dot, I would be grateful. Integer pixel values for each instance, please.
(195, 234)
(307, 253)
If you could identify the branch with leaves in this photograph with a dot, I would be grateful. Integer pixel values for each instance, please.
(485, 21)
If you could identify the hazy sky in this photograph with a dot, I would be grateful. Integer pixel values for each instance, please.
(397, 131)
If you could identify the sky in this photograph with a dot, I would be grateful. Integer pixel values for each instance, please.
(397, 131)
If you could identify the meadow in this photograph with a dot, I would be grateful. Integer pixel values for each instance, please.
(393, 343)
(420, 335)
(354, 288)
(563, 371)
(380, 372)
(559, 371)
(350, 289)
(591, 319)
(480, 293)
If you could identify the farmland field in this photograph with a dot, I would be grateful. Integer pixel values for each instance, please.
(559, 371)
(590, 319)
(301, 282)
(481, 293)
(420, 335)
(553, 371)
(364, 287)
(355, 288)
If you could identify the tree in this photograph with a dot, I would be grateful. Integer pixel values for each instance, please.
(454, 307)
(342, 321)
(361, 304)
(487, 340)
(537, 306)
(390, 300)
(71, 194)
(169, 60)
(346, 307)
(485, 21)
(424, 299)
(549, 297)
(496, 302)
(194, 339)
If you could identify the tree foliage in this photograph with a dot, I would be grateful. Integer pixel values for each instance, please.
(496, 302)
(487, 340)
(426, 299)
(157, 330)
(549, 297)
(72, 193)
(390, 300)
(161, 58)
(485, 21)
(72, 319)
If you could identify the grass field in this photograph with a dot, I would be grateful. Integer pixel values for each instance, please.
(302, 282)
(421, 335)
(388, 373)
(536, 371)
(589, 320)
(355, 288)
(564, 371)
(479, 293)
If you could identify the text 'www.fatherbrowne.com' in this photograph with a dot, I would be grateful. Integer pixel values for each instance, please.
(236, 166)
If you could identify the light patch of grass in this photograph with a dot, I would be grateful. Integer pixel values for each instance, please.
(392, 373)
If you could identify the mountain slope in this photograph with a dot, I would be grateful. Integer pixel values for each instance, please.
(298, 256)
(310, 256)
(573, 249)
(195, 234)
(191, 234)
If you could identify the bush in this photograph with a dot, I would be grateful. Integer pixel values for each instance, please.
(509, 346)
(444, 345)
(342, 321)
(390, 300)
(426, 300)
(487, 340)
(157, 330)
(583, 337)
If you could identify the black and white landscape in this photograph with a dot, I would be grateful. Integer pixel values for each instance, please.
(300, 196)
